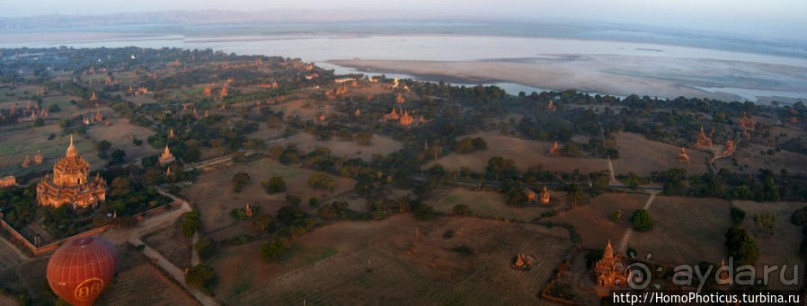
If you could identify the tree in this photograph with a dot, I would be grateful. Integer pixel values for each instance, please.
(103, 145)
(799, 217)
(240, 180)
(276, 184)
(322, 181)
(364, 138)
(498, 167)
(191, 223)
(576, 196)
(202, 276)
(741, 246)
(263, 222)
(737, 215)
(117, 157)
(120, 186)
(464, 146)
(205, 248)
(571, 150)
(39, 121)
(641, 220)
(274, 248)
(479, 143)
(424, 212)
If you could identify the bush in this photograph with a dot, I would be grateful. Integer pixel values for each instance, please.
(765, 220)
(615, 216)
(462, 210)
(276, 184)
(273, 249)
(738, 215)
(238, 214)
(424, 212)
(463, 250)
(321, 180)
(641, 220)
(799, 217)
(240, 180)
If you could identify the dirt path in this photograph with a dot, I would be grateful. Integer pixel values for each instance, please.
(155, 223)
(611, 168)
(195, 260)
(623, 244)
(23, 258)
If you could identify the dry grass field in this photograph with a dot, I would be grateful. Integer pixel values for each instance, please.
(119, 134)
(305, 108)
(642, 156)
(213, 195)
(171, 244)
(379, 145)
(685, 230)
(592, 222)
(386, 262)
(751, 155)
(782, 248)
(140, 283)
(525, 153)
(16, 144)
(490, 204)
(9, 257)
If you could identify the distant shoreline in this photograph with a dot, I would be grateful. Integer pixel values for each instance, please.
(486, 72)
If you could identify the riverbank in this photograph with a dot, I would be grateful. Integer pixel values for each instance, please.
(610, 74)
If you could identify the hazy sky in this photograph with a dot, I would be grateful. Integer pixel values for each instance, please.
(760, 18)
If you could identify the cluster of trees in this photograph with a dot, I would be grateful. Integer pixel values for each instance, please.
(469, 145)
(765, 185)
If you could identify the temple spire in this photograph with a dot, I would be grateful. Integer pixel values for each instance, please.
(609, 251)
(71, 150)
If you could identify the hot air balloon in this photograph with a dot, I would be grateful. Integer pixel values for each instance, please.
(81, 269)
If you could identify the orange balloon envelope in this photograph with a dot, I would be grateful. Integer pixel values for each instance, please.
(81, 269)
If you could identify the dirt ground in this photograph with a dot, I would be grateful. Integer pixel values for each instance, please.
(380, 145)
(685, 230)
(171, 244)
(592, 222)
(642, 156)
(213, 195)
(782, 248)
(526, 153)
(490, 204)
(396, 261)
